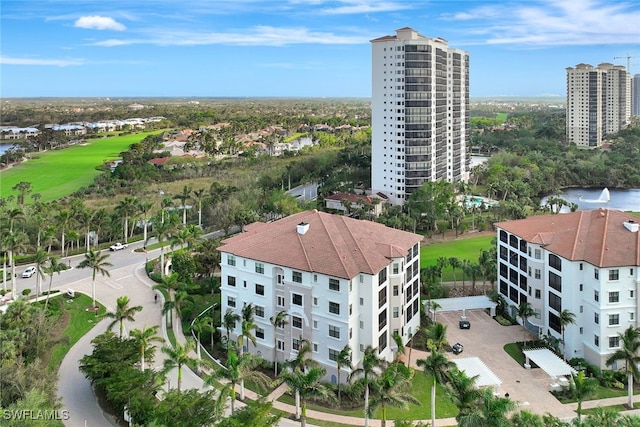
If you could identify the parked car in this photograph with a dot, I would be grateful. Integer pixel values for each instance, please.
(117, 247)
(464, 324)
(457, 348)
(28, 272)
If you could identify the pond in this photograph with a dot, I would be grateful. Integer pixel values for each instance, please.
(595, 198)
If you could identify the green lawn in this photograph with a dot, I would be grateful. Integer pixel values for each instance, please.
(80, 322)
(58, 173)
(468, 248)
(514, 351)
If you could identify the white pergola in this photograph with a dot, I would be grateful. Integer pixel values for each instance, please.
(473, 366)
(549, 362)
(463, 303)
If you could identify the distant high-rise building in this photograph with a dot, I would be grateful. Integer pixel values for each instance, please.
(420, 113)
(598, 102)
(636, 95)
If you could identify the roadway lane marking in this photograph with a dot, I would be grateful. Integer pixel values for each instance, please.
(124, 277)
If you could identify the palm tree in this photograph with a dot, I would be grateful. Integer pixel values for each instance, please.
(169, 284)
(454, 263)
(492, 411)
(436, 336)
(306, 385)
(164, 230)
(392, 389)
(302, 361)
(54, 267)
(123, 312)
(581, 388)
(525, 310)
(434, 306)
(371, 365)
(183, 197)
(436, 366)
(566, 318)
(199, 196)
(127, 208)
(464, 266)
(177, 357)
(399, 346)
(97, 262)
(201, 324)
(144, 208)
(229, 322)
(248, 325)
(15, 243)
(84, 219)
(279, 320)
(442, 263)
(462, 390)
(474, 271)
(628, 353)
(525, 418)
(39, 258)
(144, 337)
(239, 367)
(343, 360)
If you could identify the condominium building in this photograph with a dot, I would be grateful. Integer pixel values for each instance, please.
(598, 102)
(586, 262)
(420, 113)
(636, 95)
(341, 281)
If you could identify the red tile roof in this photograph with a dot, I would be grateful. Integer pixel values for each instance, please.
(159, 161)
(334, 245)
(597, 237)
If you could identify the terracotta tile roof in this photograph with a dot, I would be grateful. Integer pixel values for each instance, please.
(351, 197)
(598, 237)
(334, 245)
(158, 161)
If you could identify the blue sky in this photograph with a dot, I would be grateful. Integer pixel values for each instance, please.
(295, 48)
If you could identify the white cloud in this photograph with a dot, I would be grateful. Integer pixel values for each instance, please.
(6, 60)
(99, 23)
(256, 36)
(553, 23)
(351, 7)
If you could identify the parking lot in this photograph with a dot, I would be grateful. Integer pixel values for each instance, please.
(485, 340)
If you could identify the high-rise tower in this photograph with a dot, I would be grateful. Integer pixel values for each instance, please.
(420, 113)
(636, 95)
(598, 102)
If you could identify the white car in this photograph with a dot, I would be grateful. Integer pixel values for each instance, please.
(117, 247)
(28, 272)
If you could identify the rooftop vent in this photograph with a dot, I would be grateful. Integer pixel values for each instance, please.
(632, 226)
(303, 227)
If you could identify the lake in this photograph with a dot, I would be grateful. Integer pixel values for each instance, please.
(595, 198)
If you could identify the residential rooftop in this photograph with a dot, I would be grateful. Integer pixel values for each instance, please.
(323, 243)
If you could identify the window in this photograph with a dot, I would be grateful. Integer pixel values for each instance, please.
(581, 287)
(333, 354)
(555, 262)
(259, 289)
(538, 273)
(537, 253)
(315, 278)
(555, 302)
(538, 294)
(296, 299)
(315, 300)
(280, 345)
(555, 281)
(295, 344)
(382, 276)
(260, 333)
(581, 308)
(231, 260)
(361, 301)
(296, 276)
(631, 316)
(614, 319)
(259, 311)
(361, 278)
(315, 324)
(334, 284)
(596, 274)
(315, 347)
(259, 267)
(334, 307)
(382, 319)
(382, 297)
(631, 293)
(614, 296)
(614, 274)
(581, 330)
(296, 322)
(396, 312)
(396, 268)
(580, 266)
(596, 340)
(350, 309)
(361, 324)
(614, 342)
(596, 296)
(280, 301)
(382, 342)
(231, 301)
(395, 291)
(596, 318)
(231, 281)
(334, 331)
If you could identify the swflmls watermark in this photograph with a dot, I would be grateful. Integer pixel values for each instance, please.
(34, 414)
